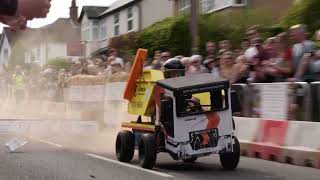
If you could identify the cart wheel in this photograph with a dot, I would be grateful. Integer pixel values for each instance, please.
(147, 151)
(230, 161)
(190, 160)
(125, 146)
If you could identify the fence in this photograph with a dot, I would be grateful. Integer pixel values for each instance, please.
(300, 99)
(275, 101)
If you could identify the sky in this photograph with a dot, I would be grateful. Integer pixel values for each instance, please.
(60, 8)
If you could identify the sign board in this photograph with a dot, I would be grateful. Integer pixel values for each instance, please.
(86, 93)
(274, 101)
(75, 93)
(114, 91)
(93, 93)
(75, 49)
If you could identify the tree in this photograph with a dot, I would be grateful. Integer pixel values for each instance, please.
(304, 12)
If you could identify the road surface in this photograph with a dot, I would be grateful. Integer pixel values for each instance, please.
(67, 156)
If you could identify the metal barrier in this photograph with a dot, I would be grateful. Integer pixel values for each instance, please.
(242, 91)
(303, 99)
(304, 96)
(301, 96)
(315, 101)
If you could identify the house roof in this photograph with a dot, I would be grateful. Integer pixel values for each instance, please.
(13, 35)
(62, 30)
(117, 5)
(93, 12)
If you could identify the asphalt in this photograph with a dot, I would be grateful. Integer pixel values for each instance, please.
(85, 156)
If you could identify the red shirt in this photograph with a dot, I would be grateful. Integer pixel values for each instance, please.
(288, 55)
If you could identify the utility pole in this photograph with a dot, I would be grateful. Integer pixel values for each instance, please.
(194, 25)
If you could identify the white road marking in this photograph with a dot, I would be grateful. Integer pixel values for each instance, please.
(46, 142)
(130, 166)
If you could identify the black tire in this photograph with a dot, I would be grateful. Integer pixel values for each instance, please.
(230, 161)
(190, 160)
(125, 146)
(147, 151)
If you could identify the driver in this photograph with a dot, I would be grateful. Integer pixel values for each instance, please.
(174, 68)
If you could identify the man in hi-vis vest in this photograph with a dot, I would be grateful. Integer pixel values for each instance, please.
(19, 83)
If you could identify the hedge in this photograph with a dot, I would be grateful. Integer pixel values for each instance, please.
(304, 12)
(125, 45)
(59, 63)
(173, 33)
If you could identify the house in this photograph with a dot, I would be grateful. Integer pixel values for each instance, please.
(5, 51)
(45, 43)
(93, 29)
(121, 17)
(8, 42)
(276, 8)
(52, 41)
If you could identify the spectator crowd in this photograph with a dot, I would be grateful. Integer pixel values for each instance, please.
(50, 82)
(289, 56)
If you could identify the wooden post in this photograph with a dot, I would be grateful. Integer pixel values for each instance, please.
(194, 26)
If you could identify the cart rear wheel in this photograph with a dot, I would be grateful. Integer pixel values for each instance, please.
(125, 146)
(147, 151)
(230, 161)
(190, 160)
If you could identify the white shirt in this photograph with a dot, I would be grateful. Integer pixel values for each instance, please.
(250, 53)
(216, 74)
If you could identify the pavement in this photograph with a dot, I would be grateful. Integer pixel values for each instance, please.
(88, 156)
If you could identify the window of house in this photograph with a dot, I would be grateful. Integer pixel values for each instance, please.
(87, 34)
(85, 27)
(116, 18)
(103, 30)
(6, 54)
(130, 19)
(130, 12)
(38, 53)
(184, 6)
(240, 2)
(207, 5)
(116, 30)
(116, 24)
(130, 25)
(95, 30)
(95, 33)
(95, 23)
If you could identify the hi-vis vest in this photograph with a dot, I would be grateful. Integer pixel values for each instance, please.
(19, 81)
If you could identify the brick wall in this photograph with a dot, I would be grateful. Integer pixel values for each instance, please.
(277, 8)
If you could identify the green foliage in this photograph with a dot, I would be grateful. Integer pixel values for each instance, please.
(59, 63)
(17, 56)
(173, 34)
(125, 44)
(304, 12)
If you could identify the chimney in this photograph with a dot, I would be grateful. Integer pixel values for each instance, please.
(74, 12)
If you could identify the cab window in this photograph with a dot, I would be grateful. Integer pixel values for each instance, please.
(199, 103)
